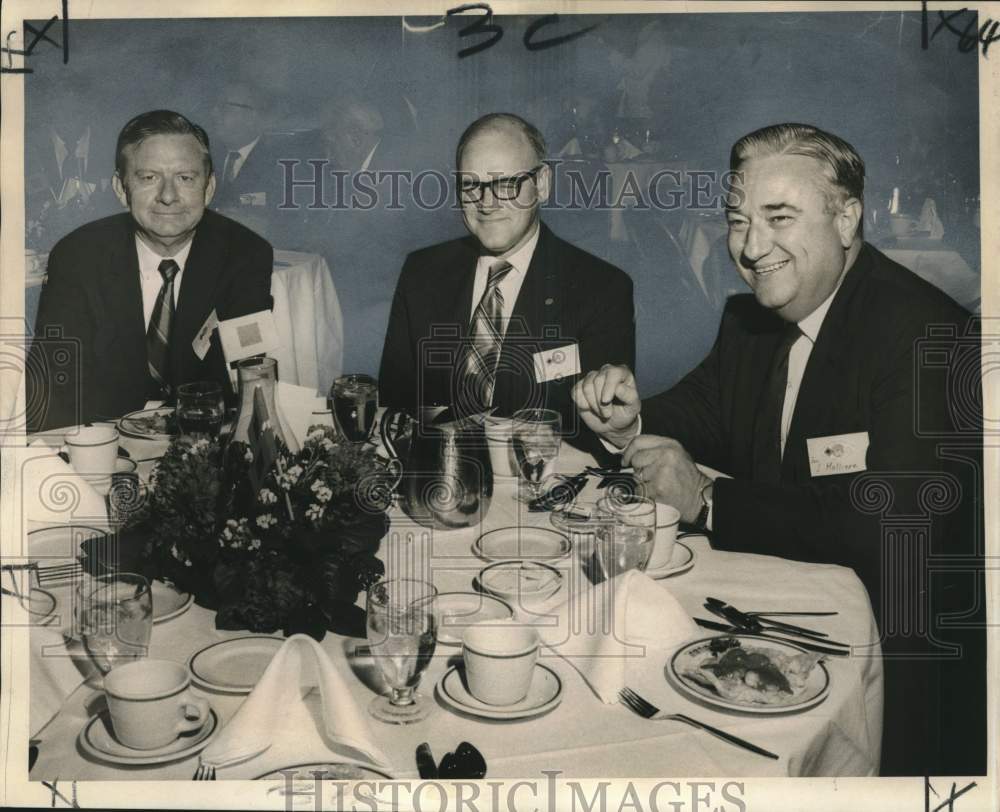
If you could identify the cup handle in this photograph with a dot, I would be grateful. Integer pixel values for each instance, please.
(195, 712)
(63, 453)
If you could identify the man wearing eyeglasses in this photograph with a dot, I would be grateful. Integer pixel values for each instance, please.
(507, 317)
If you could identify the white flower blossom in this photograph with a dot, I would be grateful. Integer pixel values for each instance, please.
(267, 496)
(315, 434)
(188, 562)
(294, 473)
(227, 534)
(314, 512)
(255, 544)
(266, 520)
(248, 455)
(327, 444)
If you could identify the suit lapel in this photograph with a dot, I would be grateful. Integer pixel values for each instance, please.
(194, 303)
(122, 293)
(458, 304)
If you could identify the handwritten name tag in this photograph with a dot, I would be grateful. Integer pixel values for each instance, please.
(557, 364)
(838, 454)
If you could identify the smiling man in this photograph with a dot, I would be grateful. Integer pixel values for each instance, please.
(508, 316)
(130, 292)
(813, 402)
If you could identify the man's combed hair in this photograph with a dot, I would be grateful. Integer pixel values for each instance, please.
(503, 121)
(843, 166)
(158, 122)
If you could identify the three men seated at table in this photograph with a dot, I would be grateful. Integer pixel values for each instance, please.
(507, 317)
(813, 381)
(126, 295)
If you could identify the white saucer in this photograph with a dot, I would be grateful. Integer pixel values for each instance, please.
(97, 740)
(544, 694)
(330, 771)
(535, 543)
(234, 666)
(681, 560)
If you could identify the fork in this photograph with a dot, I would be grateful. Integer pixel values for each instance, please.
(640, 706)
(58, 572)
(205, 772)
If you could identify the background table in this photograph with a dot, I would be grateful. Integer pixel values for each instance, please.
(582, 736)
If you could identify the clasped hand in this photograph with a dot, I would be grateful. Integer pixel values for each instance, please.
(609, 404)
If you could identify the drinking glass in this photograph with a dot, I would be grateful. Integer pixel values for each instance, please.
(354, 401)
(625, 532)
(535, 434)
(116, 619)
(200, 408)
(402, 633)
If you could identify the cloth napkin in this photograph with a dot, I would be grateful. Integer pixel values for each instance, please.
(275, 724)
(52, 492)
(645, 616)
(55, 674)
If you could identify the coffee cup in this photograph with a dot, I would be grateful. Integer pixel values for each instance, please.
(92, 450)
(499, 661)
(151, 703)
(667, 520)
(498, 436)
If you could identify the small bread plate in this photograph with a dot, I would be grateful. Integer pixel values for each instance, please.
(458, 610)
(803, 673)
(59, 545)
(520, 579)
(234, 666)
(681, 560)
(150, 424)
(544, 694)
(324, 771)
(97, 739)
(534, 543)
(168, 601)
(40, 606)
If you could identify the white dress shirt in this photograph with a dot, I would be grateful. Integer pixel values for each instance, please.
(230, 172)
(510, 285)
(150, 277)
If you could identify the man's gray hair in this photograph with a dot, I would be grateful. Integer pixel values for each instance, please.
(502, 122)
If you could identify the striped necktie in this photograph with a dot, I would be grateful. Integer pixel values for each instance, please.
(158, 334)
(767, 431)
(485, 341)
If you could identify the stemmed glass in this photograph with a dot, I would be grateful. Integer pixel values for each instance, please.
(536, 434)
(200, 408)
(354, 400)
(116, 619)
(402, 633)
(625, 533)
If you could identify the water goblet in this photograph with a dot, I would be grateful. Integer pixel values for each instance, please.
(354, 400)
(535, 434)
(625, 532)
(116, 619)
(402, 632)
(200, 409)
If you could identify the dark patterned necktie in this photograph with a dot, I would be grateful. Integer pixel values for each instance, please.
(158, 334)
(767, 430)
(485, 341)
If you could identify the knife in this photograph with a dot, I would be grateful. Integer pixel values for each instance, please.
(426, 766)
(722, 627)
(735, 616)
(754, 626)
(562, 493)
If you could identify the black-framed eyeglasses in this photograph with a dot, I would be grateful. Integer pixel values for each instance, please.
(508, 188)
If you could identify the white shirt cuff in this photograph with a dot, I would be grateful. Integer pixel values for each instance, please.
(615, 449)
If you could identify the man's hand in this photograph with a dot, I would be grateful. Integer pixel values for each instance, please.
(609, 403)
(667, 473)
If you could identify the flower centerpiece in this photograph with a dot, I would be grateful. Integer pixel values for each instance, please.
(292, 553)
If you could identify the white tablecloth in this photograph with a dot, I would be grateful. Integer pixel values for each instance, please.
(941, 266)
(582, 736)
(309, 321)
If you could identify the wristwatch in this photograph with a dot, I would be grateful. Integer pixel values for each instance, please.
(701, 521)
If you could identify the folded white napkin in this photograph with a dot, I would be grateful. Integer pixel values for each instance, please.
(645, 616)
(52, 492)
(275, 723)
(296, 405)
(55, 674)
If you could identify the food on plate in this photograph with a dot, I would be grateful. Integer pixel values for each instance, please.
(750, 674)
(160, 422)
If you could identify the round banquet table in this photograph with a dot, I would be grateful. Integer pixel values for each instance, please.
(581, 736)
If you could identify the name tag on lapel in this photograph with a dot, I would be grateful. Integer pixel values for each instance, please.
(838, 454)
(557, 364)
(203, 340)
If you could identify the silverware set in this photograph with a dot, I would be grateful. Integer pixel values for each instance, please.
(763, 624)
(205, 772)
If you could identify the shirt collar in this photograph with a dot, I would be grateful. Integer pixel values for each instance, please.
(244, 151)
(810, 324)
(521, 258)
(149, 260)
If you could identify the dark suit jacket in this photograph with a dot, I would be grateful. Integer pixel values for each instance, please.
(568, 296)
(868, 372)
(92, 306)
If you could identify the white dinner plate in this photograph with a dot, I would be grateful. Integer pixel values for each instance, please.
(520, 579)
(534, 543)
(816, 689)
(331, 771)
(458, 610)
(544, 694)
(168, 601)
(234, 666)
(56, 546)
(681, 560)
(97, 739)
(148, 424)
(40, 605)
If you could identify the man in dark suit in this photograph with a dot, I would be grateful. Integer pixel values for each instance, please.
(812, 400)
(131, 291)
(508, 316)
